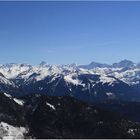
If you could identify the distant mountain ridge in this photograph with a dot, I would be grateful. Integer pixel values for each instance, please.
(94, 65)
(90, 82)
(122, 64)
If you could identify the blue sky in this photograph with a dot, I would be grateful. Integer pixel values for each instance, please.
(69, 32)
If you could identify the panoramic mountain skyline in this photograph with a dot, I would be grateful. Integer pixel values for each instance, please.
(69, 69)
(69, 32)
(74, 64)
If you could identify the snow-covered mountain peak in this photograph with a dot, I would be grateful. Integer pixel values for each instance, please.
(125, 70)
(124, 64)
(43, 64)
(12, 70)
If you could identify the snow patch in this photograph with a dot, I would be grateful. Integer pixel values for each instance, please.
(8, 95)
(109, 94)
(69, 78)
(20, 102)
(132, 131)
(106, 79)
(51, 106)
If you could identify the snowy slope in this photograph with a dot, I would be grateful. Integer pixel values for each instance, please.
(12, 70)
(8, 131)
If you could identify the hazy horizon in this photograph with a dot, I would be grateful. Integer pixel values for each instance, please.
(68, 63)
(69, 32)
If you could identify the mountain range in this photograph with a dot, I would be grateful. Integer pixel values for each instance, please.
(89, 82)
(59, 101)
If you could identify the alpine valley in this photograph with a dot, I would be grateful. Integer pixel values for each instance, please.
(70, 101)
